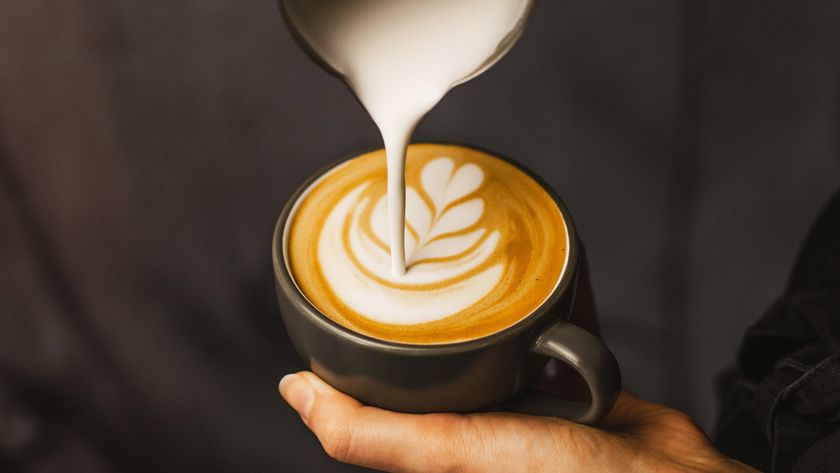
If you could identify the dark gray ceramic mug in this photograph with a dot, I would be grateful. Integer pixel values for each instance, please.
(466, 376)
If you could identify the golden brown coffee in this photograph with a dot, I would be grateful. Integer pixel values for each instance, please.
(485, 246)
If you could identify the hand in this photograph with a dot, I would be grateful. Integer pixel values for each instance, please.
(636, 436)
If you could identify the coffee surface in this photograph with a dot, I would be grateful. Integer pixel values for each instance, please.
(485, 245)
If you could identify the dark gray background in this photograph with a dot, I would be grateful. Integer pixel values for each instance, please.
(148, 146)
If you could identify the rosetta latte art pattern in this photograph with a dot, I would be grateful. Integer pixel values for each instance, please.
(485, 246)
(445, 243)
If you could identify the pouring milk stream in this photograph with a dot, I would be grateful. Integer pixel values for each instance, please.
(400, 57)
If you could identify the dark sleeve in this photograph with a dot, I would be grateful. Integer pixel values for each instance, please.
(781, 402)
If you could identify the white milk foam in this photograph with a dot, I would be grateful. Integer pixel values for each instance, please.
(444, 184)
(401, 57)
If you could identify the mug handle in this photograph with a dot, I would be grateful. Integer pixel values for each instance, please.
(591, 358)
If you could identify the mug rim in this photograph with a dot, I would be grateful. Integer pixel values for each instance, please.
(288, 285)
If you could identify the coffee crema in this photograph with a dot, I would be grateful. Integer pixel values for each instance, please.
(485, 246)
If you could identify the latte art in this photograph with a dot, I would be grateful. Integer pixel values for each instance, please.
(448, 252)
(485, 245)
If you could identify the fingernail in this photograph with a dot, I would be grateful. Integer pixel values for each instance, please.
(298, 393)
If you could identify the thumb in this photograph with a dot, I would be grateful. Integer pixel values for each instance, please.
(376, 438)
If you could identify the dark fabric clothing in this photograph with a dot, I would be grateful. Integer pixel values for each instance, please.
(782, 403)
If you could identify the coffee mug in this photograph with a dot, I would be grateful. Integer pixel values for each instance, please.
(466, 376)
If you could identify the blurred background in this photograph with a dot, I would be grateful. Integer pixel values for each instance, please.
(146, 149)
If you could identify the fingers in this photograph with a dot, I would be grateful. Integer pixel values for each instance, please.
(375, 438)
(491, 442)
(487, 442)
